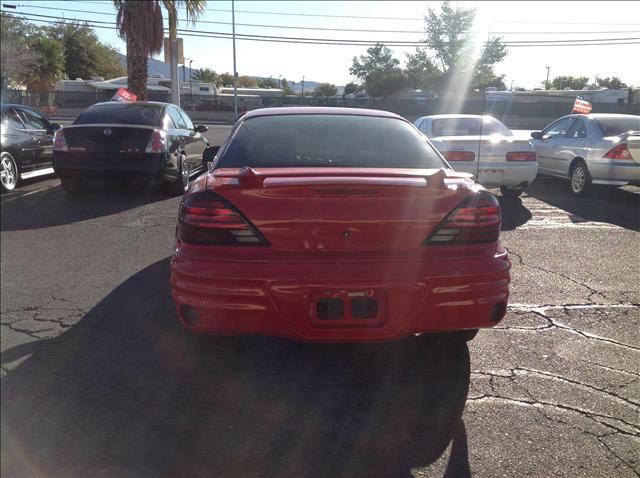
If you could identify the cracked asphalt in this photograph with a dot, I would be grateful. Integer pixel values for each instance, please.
(98, 380)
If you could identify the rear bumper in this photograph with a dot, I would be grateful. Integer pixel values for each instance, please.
(144, 165)
(493, 174)
(277, 298)
(612, 172)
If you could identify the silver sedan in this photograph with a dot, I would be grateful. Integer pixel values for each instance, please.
(590, 149)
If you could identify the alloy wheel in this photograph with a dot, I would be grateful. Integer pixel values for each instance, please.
(8, 173)
(578, 179)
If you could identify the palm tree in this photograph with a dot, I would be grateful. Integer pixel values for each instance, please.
(206, 75)
(140, 24)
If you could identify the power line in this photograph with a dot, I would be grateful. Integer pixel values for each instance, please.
(323, 41)
(291, 27)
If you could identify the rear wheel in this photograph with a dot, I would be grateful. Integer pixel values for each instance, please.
(9, 175)
(73, 186)
(181, 183)
(580, 179)
(510, 192)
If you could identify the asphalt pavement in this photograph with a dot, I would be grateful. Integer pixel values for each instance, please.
(98, 380)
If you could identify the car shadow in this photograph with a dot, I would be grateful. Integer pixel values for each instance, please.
(25, 209)
(121, 393)
(514, 213)
(611, 205)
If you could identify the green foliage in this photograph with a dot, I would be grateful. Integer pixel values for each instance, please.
(16, 58)
(352, 88)
(246, 82)
(613, 83)
(421, 71)
(267, 83)
(50, 66)
(326, 90)
(206, 75)
(573, 82)
(519, 88)
(85, 56)
(226, 79)
(379, 71)
(286, 88)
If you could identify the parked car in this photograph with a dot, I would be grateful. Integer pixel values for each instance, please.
(336, 225)
(128, 140)
(26, 138)
(487, 149)
(588, 149)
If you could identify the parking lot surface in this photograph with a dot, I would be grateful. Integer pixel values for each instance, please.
(97, 379)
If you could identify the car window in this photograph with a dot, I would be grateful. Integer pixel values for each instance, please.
(178, 120)
(468, 127)
(122, 113)
(325, 140)
(616, 125)
(558, 129)
(32, 121)
(186, 119)
(168, 122)
(577, 130)
(10, 118)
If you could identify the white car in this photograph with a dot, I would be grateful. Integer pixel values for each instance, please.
(587, 149)
(487, 149)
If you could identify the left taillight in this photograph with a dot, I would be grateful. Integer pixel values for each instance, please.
(477, 220)
(620, 151)
(520, 156)
(59, 141)
(207, 219)
(157, 142)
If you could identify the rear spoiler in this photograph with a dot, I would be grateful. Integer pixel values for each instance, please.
(624, 136)
(112, 125)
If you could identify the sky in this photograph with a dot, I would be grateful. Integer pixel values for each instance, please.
(524, 66)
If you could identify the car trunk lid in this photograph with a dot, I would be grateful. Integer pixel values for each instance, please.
(107, 140)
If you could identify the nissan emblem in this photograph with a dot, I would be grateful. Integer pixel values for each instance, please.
(107, 132)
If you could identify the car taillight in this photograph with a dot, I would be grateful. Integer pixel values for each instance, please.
(618, 152)
(475, 221)
(206, 219)
(521, 156)
(59, 141)
(157, 143)
(459, 155)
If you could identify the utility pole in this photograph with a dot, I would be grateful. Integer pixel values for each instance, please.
(190, 83)
(173, 42)
(302, 92)
(546, 84)
(235, 72)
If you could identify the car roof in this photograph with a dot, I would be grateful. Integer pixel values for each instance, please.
(453, 116)
(140, 103)
(320, 110)
(602, 115)
(13, 105)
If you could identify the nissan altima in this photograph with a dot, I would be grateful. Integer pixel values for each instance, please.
(336, 225)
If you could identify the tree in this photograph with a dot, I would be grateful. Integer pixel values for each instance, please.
(286, 88)
(421, 71)
(84, 55)
(267, 83)
(351, 88)
(247, 82)
(573, 82)
(16, 57)
(326, 90)
(50, 66)
(613, 83)
(374, 68)
(449, 36)
(206, 75)
(140, 24)
(226, 79)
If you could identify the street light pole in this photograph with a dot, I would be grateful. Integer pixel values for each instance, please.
(546, 84)
(235, 72)
(302, 92)
(190, 83)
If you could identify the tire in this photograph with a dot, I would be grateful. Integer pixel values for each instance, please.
(9, 173)
(179, 185)
(510, 193)
(73, 186)
(580, 179)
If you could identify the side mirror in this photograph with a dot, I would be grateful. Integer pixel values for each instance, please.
(536, 134)
(209, 154)
(201, 128)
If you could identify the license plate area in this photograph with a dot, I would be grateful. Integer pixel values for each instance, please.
(348, 308)
(490, 176)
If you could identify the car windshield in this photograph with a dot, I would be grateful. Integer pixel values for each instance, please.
(468, 127)
(147, 115)
(618, 125)
(329, 141)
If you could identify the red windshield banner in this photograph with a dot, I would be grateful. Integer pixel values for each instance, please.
(124, 95)
(581, 106)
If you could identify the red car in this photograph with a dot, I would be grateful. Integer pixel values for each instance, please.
(336, 225)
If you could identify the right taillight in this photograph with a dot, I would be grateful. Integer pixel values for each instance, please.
(618, 152)
(59, 141)
(459, 155)
(521, 156)
(476, 220)
(157, 142)
(206, 219)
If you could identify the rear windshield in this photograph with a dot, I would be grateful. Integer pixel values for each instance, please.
(328, 141)
(468, 127)
(619, 125)
(122, 113)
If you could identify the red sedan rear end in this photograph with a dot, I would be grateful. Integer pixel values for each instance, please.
(336, 225)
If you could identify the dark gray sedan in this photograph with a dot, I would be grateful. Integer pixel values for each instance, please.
(588, 149)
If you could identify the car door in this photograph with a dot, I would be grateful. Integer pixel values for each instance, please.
(195, 143)
(41, 132)
(546, 147)
(573, 146)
